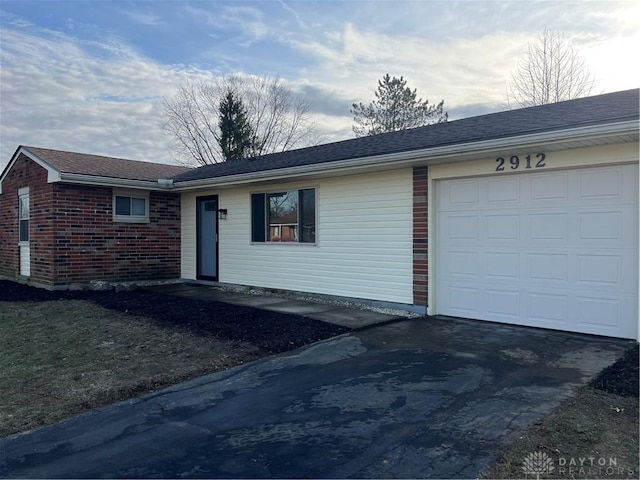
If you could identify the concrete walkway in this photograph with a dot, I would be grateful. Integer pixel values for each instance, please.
(424, 398)
(346, 316)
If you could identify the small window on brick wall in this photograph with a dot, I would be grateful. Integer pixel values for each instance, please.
(23, 215)
(130, 206)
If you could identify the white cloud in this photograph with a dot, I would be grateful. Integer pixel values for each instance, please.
(144, 18)
(56, 95)
(248, 20)
(464, 61)
(289, 9)
(95, 92)
(452, 71)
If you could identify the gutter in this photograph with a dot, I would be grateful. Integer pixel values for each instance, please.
(112, 182)
(427, 156)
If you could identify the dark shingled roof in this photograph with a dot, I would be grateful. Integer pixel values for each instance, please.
(96, 165)
(582, 112)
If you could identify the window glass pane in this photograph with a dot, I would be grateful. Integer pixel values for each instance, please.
(24, 207)
(308, 216)
(123, 206)
(24, 230)
(138, 206)
(257, 217)
(283, 216)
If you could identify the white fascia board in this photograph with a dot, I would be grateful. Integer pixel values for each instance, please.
(110, 182)
(426, 156)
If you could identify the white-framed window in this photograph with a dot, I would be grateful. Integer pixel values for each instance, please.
(23, 215)
(130, 206)
(286, 216)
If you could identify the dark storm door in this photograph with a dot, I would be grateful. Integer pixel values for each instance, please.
(207, 235)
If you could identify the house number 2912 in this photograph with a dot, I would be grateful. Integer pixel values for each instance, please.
(514, 162)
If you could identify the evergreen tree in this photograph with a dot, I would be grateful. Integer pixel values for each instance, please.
(237, 138)
(396, 107)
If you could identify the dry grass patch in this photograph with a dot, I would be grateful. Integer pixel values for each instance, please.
(64, 357)
(591, 435)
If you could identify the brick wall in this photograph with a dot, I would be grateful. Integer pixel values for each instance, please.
(26, 173)
(73, 236)
(420, 236)
(89, 245)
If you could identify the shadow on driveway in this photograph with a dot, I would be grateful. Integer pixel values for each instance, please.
(432, 397)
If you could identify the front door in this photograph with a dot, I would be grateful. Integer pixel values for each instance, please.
(207, 226)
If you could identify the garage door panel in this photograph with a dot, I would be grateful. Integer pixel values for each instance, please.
(555, 249)
(601, 184)
(463, 264)
(501, 190)
(607, 272)
(548, 226)
(599, 312)
(600, 269)
(502, 266)
(600, 225)
(463, 300)
(464, 227)
(548, 309)
(502, 227)
(503, 305)
(550, 187)
(549, 266)
(465, 193)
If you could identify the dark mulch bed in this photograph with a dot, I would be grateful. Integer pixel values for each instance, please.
(270, 331)
(621, 378)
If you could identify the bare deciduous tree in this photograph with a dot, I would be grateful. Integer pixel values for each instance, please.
(278, 116)
(552, 71)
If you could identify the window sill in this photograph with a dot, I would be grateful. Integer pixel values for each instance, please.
(303, 244)
(130, 219)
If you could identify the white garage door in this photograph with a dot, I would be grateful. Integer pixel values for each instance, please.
(556, 249)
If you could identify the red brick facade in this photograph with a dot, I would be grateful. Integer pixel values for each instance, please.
(74, 238)
(420, 236)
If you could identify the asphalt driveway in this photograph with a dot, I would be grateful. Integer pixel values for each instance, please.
(419, 398)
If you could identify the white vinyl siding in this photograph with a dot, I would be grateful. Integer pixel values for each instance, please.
(364, 240)
(188, 246)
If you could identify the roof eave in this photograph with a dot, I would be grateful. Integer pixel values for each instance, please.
(54, 175)
(82, 179)
(432, 155)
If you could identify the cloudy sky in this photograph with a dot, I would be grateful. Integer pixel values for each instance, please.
(90, 76)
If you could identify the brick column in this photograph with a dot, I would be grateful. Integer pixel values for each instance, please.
(420, 235)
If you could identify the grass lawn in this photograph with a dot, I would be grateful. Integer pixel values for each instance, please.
(60, 358)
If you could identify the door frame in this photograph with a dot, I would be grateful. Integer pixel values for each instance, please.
(199, 201)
